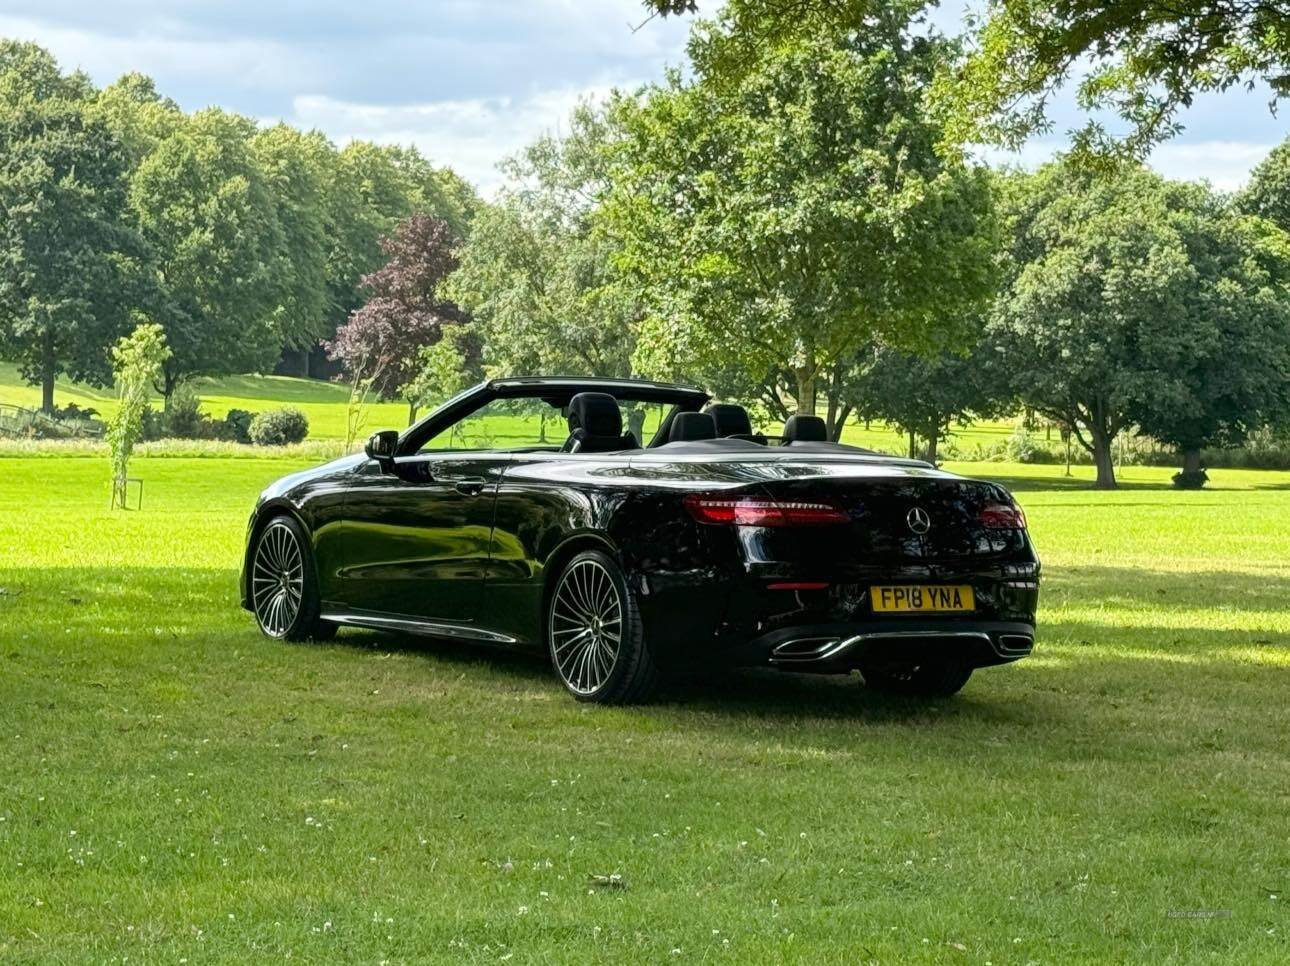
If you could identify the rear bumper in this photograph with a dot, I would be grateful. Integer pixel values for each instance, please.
(833, 648)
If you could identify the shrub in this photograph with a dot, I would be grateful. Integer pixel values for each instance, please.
(279, 427)
(236, 427)
(1024, 448)
(1190, 479)
(182, 418)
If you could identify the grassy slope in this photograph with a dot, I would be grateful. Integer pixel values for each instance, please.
(324, 405)
(173, 786)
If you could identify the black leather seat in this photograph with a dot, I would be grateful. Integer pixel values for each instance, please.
(732, 422)
(688, 427)
(596, 425)
(804, 429)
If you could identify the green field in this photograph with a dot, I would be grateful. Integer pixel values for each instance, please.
(174, 787)
(324, 403)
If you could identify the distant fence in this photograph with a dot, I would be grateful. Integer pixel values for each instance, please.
(19, 421)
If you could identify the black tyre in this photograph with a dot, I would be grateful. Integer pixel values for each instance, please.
(594, 633)
(934, 680)
(284, 584)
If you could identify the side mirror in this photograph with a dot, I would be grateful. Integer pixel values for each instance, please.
(381, 447)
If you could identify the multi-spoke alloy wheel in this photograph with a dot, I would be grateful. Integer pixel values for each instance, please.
(277, 579)
(594, 632)
(284, 586)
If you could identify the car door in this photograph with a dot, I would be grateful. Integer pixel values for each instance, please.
(418, 535)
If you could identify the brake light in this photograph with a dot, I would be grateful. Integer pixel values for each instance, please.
(743, 511)
(1002, 516)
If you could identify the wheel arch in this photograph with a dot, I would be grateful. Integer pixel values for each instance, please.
(556, 560)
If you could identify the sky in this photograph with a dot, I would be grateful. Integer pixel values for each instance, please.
(472, 81)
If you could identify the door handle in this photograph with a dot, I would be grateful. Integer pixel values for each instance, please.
(471, 487)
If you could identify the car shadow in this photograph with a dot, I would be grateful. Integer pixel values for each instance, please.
(732, 693)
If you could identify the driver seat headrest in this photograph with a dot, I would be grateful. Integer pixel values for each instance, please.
(596, 425)
(687, 427)
(804, 429)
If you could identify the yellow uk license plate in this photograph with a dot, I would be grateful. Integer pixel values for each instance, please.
(922, 599)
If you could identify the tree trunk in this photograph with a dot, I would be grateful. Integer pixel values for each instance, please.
(412, 411)
(806, 390)
(168, 383)
(841, 423)
(933, 437)
(541, 427)
(1102, 458)
(913, 446)
(636, 424)
(48, 365)
(1191, 461)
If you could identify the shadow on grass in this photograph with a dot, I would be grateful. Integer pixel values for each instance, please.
(68, 612)
(735, 694)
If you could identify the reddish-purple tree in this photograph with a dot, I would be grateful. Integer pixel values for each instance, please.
(403, 312)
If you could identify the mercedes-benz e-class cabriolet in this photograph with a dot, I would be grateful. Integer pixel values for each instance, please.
(660, 532)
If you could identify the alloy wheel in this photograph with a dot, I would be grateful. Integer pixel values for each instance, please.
(586, 626)
(277, 579)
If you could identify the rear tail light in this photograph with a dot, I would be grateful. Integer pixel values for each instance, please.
(1003, 516)
(744, 511)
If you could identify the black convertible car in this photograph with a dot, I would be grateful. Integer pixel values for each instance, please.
(705, 545)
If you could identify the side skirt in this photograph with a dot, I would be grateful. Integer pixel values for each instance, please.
(414, 625)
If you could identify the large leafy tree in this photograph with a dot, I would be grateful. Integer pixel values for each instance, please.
(536, 276)
(1236, 377)
(1135, 301)
(405, 311)
(1146, 60)
(370, 189)
(788, 218)
(68, 250)
(211, 220)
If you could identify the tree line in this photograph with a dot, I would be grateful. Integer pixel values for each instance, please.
(240, 241)
(791, 221)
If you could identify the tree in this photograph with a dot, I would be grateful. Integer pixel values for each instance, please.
(136, 364)
(69, 254)
(446, 368)
(404, 311)
(294, 165)
(537, 277)
(137, 114)
(1268, 192)
(1120, 299)
(211, 221)
(1145, 59)
(800, 212)
(1237, 376)
(923, 396)
(369, 189)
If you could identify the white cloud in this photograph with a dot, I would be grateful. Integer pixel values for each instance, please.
(471, 135)
(1224, 164)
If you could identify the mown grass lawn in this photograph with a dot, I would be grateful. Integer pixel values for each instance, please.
(173, 787)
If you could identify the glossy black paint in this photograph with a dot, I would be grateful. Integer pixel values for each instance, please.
(469, 543)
